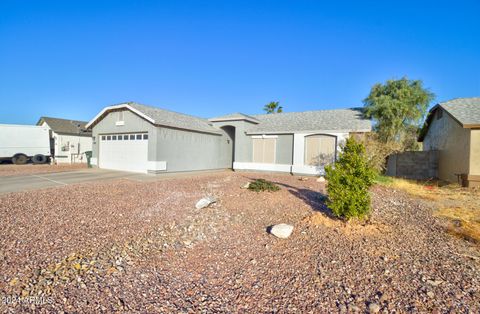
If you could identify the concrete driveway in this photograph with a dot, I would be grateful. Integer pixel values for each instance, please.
(24, 182)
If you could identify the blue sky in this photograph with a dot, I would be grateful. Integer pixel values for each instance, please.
(71, 58)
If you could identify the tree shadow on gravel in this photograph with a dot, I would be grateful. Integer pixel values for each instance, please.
(315, 199)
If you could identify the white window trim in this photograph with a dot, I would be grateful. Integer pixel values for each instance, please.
(265, 136)
(261, 166)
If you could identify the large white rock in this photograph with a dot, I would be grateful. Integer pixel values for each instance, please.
(205, 202)
(321, 179)
(281, 231)
(246, 186)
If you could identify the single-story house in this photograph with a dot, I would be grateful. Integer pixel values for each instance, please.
(69, 139)
(139, 138)
(453, 128)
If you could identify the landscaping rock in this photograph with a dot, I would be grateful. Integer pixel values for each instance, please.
(175, 258)
(321, 179)
(434, 283)
(373, 308)
(281, 231)
(246, 186)
(205, 202)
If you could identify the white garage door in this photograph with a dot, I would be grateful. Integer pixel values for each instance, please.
(126, 152)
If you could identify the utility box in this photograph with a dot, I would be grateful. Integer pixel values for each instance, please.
(89, 157)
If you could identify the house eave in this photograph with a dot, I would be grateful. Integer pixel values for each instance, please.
(114, 107)
(144, 116)
(308, 131)
(185, 129)
(233, 119)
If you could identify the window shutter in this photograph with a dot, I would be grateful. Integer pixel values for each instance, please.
(264, 150)
(320, 150)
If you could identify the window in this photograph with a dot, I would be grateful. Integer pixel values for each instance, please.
(145, 136)
(120, 116)
(114, 137)
(109, 138)
(125, 137)
(139, 136)
(264, 150)
(103, 137)
(320, 150)
(66, 147)
(120, 137)
(132, 137)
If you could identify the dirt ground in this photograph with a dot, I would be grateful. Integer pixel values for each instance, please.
(459, 206)
(143, 247)
(11, 170)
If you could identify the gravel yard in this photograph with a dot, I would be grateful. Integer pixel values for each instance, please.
(12, 170)
(143, 247)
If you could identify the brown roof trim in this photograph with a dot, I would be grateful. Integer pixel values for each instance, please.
(471, 126)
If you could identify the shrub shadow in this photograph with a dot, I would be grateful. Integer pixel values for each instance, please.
(315, 199)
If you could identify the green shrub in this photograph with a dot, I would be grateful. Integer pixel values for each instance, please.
(261, 185)
(349, 180)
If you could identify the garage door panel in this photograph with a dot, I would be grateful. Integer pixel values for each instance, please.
(125, 155)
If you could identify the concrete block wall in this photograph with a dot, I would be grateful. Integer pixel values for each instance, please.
(416, 165)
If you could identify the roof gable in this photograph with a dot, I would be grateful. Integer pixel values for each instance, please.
(161, 117)
(465, 111)
(65, 126)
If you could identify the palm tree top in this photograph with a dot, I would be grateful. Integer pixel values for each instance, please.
(273, 107)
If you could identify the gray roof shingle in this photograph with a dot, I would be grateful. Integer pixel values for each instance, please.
(464, 110)
(175, 119)
(327, 120)
(65, 126)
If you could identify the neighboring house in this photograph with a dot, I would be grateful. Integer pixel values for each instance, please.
(134, 137)
(69, 139)
(453, 128)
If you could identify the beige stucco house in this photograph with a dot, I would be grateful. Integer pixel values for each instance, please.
(453, 128)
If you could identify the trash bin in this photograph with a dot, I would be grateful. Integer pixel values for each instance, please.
(89, 157)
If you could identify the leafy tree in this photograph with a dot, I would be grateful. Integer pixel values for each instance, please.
(273, 107)
(398, 107)
(349, 180)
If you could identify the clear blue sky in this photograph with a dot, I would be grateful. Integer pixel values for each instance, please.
(72, 58)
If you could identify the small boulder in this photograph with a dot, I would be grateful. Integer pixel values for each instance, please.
(321, 179)
(373, 308)
(434, 282)
(205, 202)
(281, 231)
(246, 186)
